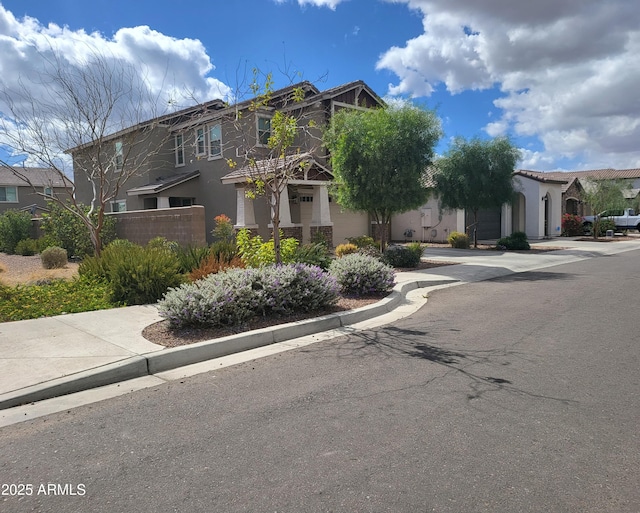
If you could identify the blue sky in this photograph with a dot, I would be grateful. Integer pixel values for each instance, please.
(558, 76)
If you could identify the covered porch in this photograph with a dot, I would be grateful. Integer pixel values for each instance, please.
(304, 207)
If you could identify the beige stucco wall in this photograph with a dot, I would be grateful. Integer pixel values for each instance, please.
(439, 227)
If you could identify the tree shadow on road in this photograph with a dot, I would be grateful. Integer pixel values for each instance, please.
(534, 276)
(428, 344)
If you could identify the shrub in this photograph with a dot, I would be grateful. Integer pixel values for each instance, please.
(162, 243)
(27, 247)
(223, 230)
(191, 257)
(136, 275)
(363, 241)
(360, 275)
(223, 299)
(54, 298)
(65, 229)
(313, 254)
(214, 264)
(606, 224)
(515, 241)
(403, 256)
(297, 288)
(572, 225)
(54, 258)
(346, 249)
(234, 296)
(256, 253)
(458, 240)
(372, 251)
(14, 227)
(224, 250)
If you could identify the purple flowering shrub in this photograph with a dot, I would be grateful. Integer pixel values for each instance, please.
(297, 288)
(234, 296)
(361, 275)
(223, 299)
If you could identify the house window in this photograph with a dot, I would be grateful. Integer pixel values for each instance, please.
(200, 144)
(181, 202)
(8, 194)
(179, 150)
(119, 157)
(48, 192)
(264, 130)
(215, 141)
(119, 206)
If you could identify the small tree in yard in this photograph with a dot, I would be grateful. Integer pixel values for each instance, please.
(79, 106)
(603, 195)
(378, 158)
(475, 175)
(275, 160)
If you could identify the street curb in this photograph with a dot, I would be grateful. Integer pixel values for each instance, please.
(132, 367)
(172, 358)
(209, 349)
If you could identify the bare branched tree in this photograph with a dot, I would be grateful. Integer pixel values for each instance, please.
(90, 114)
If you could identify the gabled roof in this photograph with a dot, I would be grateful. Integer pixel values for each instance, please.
(309, 169)
(162, 184)
(170, 118)
(594, 174)
(313, 95)
(567, 178)
(543, 178)
(38, 176)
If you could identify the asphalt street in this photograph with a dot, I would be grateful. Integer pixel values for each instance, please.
(518, 394)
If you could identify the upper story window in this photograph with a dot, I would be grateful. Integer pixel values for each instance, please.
(215, 141)
(48, 192)
(119, 155)
(8, 194)
(263, 130)
(179, 150)
(200, 142)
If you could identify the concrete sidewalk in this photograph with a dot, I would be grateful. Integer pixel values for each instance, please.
(51, 357)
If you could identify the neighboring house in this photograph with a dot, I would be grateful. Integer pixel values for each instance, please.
(575, 182)
(542, 199)
(204, 158)
(536, 210)
(17, 194)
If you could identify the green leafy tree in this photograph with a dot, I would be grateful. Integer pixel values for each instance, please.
(601, 195)
(14, 227)
(379, 157)
(62, 227)
(475, 175)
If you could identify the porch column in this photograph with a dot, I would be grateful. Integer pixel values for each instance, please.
(245, 216)
(321, 215)
(284, 210)
(288, 228)
(506, 227)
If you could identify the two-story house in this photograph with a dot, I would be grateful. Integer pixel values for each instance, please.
(206, 155)
(29, 188)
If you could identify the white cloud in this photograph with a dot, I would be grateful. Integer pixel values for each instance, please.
(176, 72)
(568, 69)
(331, 4)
